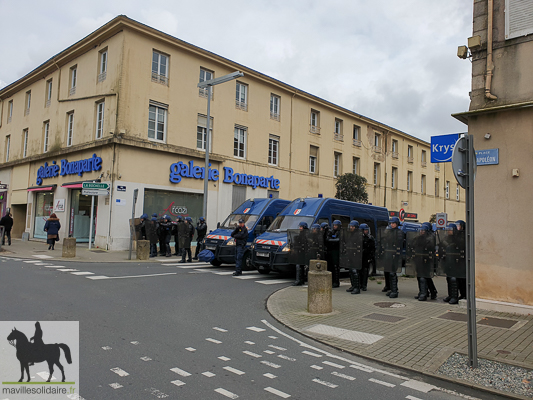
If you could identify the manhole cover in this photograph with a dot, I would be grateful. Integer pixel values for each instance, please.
(389, 304)
(497, 322)
(384, 317)
(503, 352)
(453, 316)
(98, 251)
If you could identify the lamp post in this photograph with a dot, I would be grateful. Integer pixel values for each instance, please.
(209, 85)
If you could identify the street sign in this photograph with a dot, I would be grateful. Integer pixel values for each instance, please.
(3, 186)
(442, 220)
(442, 147)
(486, 157)
(95, 192)
(121, 188)
(460, 152)
(401, 215)
(95, 185)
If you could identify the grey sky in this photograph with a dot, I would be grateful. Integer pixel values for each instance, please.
(393, 61)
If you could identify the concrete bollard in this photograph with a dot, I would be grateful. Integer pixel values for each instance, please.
(69, 247)
(319, 288)
(143, 249)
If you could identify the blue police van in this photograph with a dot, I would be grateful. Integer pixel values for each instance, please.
(257, 214)
(270, 250)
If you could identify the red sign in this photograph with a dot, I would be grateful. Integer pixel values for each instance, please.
(246, 210)
(297, 211)
(402, 214)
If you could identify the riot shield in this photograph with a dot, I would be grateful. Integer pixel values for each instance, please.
(182, 235)
(315, 248)
(389, 249)
(351, 249)
(452, 260)
(151, 231)
(297, 240)
(420, 253)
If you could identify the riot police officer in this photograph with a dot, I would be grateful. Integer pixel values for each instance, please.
(461, 282)
(333, 248)
(175, 231)
(391, 278)
(301, 240)
(240, 234)
(165, 227)
(316, 243)
(142, 226)
(355, 275)
(189, 234)
(152, 228)
(447, 253)
(161, 237)
(369, 250)
(423, 246)
(201, 230)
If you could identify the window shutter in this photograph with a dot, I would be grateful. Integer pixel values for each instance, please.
(518, 18)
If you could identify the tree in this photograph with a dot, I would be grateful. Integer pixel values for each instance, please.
(351, 187)
(433, 218)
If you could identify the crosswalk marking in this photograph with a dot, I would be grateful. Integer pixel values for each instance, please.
(67, 269)
(224, 358)
(235, 371)
(226, 393)
(278, 392)
(220, 329)
(271, 364)
(311, 354)
(331, 364)
(328, 384)
(383, 383)
(275, 281)
(252, 354)
(190, 349)
(180, 371)
(213, 340)
(350, 378)
(256, 329)
(208, 374)
(119, 372)
(82, 273)
(177, 382)
(269, 375)
(246, 277)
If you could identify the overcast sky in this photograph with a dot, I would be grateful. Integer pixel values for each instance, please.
(390, 60)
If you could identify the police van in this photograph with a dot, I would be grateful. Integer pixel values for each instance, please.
(270, 251)
(257, 214)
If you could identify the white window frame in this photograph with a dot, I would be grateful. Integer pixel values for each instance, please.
(273, 150)
(202, 130)
(314, 119)
(312, 164)
(356, 132)
(240, 134)
(409, 181)
(338, 127)
(394, 146)
(158, 107)
(447, 189)
(203, 92)
(46, 136)
(423, 156)
(28, 103)
(377, 139)
(457, 193)
(157, 76)
(355, 165)
(275, 107)
(410, 151)
(241, 96)
(102, 70)
(48, 93)
(518, 19)
(73, 77)
(376, 174)
(337, 164)
(423, 184)
(25, 143)
(437, 187)
(70, 128)
(10, 111)
(100, 114)
(8, 145)
(394, 178)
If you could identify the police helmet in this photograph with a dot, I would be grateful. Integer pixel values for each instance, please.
(324, 225)
(364, 227)
(395, 220)
(188, 219)
(354, 223)
(337, 222)
(304, 224)
(461, 223)
(166, 217)
(202, 219)
(241, 221)
(154, 215)
(451, 227)
(315, 226)
(144, 216)
(425, 228)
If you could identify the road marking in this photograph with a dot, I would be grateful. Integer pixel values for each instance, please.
(157, 393)
(197, 271)
(275, 281)
(255, 329)
(224, 358)
(248, 342)
(208, 374)
(311, 354)
(82, 273)
(106, 348)
(170, 265)
(42, 256)
(332, 364)
(277, 347)
(213, 340)
(192, 266)
(39, 263)
(177, 382)
(412, 398)
(269, 375)
(271, 364)
(131, 276)
(98, 277)
(361, 368)
(278, 393)
(145, 358)
(180, 371)
(245, 277)
(273, 337)
(382, 382)
(269, 352)
(252, 354)
(55, 266)
(224, 273)
(224, 392)
(116, 385)
(135, 343)
(350, 378)
(420, 386)
(235, 371)
(317, 367)
(345, 334)
(220, 329)
(67, 270)
(190, 349)
(286, 358)
(328, 384)
(32, 261)
(119, 371)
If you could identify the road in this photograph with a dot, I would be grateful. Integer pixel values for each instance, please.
(193, 332)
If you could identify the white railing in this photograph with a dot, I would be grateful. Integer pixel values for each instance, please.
(376, 149)
(437, 167)
(72, 91)
(275, 116)
(338, 136)
(103, 75)
(27, 111)
(394, 154)
(314, 129)
(241, 105)
(410, 160)
(159, 79)
(357, 142)
(47, 104)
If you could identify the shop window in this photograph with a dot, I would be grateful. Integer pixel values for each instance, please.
(173, 203)
(80, 216)
(44, 205)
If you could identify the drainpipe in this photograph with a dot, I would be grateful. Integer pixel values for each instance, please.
(490, 65)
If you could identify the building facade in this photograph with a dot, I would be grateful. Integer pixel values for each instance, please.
(501, 120)
(122, 107)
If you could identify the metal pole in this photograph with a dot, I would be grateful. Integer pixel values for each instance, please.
(470, 255)
(206, 172)
(132, 226)
(92, 223)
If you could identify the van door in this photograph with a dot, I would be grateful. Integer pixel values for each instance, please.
(345, 220)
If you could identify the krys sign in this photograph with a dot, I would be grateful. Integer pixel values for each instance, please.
(442, 147)
(181, 170)
(68, 168)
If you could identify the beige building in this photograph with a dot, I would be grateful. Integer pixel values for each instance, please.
(125, 99)
(501, 118)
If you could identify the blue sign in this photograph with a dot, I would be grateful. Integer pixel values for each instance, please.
(68, 168)
(442, 147)
(488, 157)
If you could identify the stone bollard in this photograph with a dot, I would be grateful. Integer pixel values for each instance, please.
(69, 247)
(143, 249)
(319, 288)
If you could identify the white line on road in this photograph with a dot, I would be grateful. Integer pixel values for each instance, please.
(224, 358)
(213, 340)
(328, 384)
(235, 371)
(278, 393)
(224, 392)
(220, 329)
(286, 358)
(277, 347)
(331, 364)
(106, 348)
(145, 358)
(119, 371)
(192, 266)
(412, 398)
(273, 337)
(196, 271)
(55, 266)
(135, 343)
(252, 354)
(420, 386)
(82, 273)
(271, 364)
(318, 367)
(311, 354)
(224, 273)
(361, 368)
(98, 277)
(269, 375)
(269, 352)
(245, 277)
(208, 374)
(131, 276)
(180, 372)
(157, 393)
(32, 261)
(42, 256)
(67, 269)
(255, 329)
(382, 382)
(190, 349)
(178, 382)
(248, 342)
(275, 281)
(116, 385)
(350, 378)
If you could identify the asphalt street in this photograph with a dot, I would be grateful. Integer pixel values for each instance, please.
(192, 331)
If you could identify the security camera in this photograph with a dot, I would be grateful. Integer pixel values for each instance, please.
(462, 52)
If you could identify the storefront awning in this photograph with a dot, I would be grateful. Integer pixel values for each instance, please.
(47, 188)
(77, 185)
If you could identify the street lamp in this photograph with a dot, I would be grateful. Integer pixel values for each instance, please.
(209, 85)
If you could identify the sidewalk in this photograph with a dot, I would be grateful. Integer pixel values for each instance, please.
(428, 337)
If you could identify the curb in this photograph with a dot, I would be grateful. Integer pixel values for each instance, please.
(402, 367)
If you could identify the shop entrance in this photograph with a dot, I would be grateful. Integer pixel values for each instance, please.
(44, 205)
(80, 216)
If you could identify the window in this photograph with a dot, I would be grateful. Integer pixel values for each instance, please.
(313, 159)
(157, 121)
(273, 150)
(423, 158)
(338, 130)
(457, 193)
(46, 134)
(159, 68)
(518, 18)
(8, 145)
(73, 80)
(102, 70)
(100, 119)
(70, 128)
(48, 93)
(205, 75)
(447, 189)
(275, 107)
(337, 165)
(423, 184)
(24, 143)
(315, 122)
(241, 96)
(394, 148)
(394, 178)
(409, 154)
(355, 166)
(436, 187)
(377, 143)
(201, 130)
(239, 142)
(9, 111)
(376, 174)
(409, 181)
(28, 103)
(356, 136)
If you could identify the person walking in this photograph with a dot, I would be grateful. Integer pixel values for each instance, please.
(240, 234)
(201, 230)
(52, 227)
(7, 223)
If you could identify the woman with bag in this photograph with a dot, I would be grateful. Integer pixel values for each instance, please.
(52, 228)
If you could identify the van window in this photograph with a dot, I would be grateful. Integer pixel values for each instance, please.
(370, 223)
(345, 220)
(322, 220)
(267, 220)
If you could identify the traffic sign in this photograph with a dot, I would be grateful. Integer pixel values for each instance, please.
(95, 192)
(442, 220)
(401, 215)
(459, 155)
(95, 185)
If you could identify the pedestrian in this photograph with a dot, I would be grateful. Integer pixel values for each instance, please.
(201, 231)
(52, 227)
(351, 240)
(333, 252)
(461, 282)
(176, 232)
(301, 240)
(369, 251)
(7, 223)
(240, 235)
(189, 234)
(165, 228)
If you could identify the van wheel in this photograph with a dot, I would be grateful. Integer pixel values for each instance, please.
(264, 271)
(216, 263)
(247, 262)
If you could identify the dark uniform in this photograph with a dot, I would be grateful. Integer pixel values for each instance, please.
(165, 229)
(391, 278)
(175, 231)
(461, 282)
(333, 252)
(152, 228)
(353, 239)
(189, 234)
(302, 243)
(142, 226)
(240, 235)
(201, 231)
(369, 253)
(7, 223)
(452, 261)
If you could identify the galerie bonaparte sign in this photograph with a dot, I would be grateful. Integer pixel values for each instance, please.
(65, 167)
(181, 170)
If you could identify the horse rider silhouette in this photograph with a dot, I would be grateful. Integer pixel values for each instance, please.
(37, 338)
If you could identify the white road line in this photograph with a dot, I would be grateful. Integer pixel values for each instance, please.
(67, 269)
(82, 273)
(224, 392)
(235, 371)
(248, 342)
(350, 378)
(361, 368)
(131, 276)
(170, 265)
(220, 329)
(224, 273)
(271, 376)
(252, 354)
(412, 398)
(318, 367)
(208, 374)
(332, 364)
(32, 261)
(106, 348)
(273, 337)
(196, 271)
(192, 266)
(382, 382)
(190, 349)
(224, 358)
(119, 371)
(278, 393)
(311, 354)
(277, 347)
(55, 266)
(268, 352)
(245, 277)
(157, 393)
(213, 340)
(98, 277)
(177, 382)
(286, 358)
(420, 386)
(116, 385)
(271, 364)
(255, 329)
(145, 358)
(135, 343)
(328, 384)
(42, 256)
(275, 281)
(180, 371)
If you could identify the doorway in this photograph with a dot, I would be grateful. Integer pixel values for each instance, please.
(80, 216)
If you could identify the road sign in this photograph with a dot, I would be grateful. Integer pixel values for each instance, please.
(442, 147)
(3, 186)
(95, 185)
(401, 215)
(442, 220)
(121, 188)
(460, 152)
(485, 157)
(95, 192)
